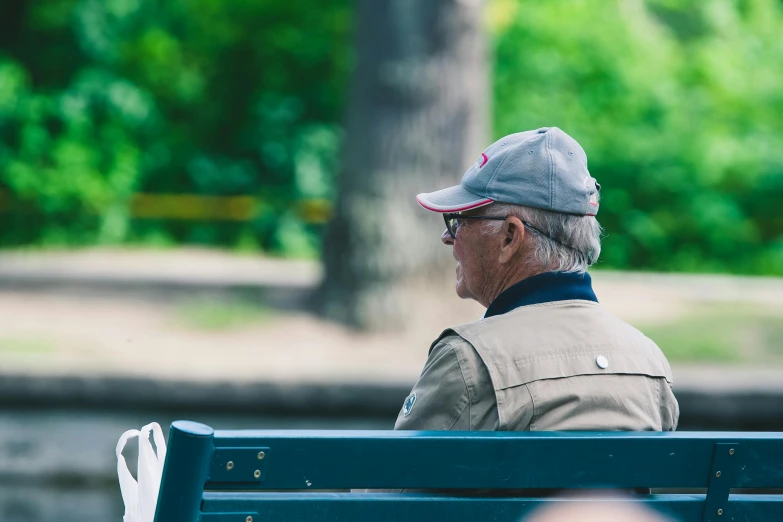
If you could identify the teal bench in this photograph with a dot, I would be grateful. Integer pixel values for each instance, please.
(291, 476)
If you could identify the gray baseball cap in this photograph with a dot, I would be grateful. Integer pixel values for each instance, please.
(544, 168)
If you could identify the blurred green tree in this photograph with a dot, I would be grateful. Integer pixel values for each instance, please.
(678, 104)
(101, 99)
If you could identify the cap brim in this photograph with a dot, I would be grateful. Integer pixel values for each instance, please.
(452, 199)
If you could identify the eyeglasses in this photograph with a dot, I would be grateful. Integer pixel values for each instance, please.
(453, 223)
(453, 219)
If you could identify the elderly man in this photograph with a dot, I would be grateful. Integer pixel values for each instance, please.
(546, 355)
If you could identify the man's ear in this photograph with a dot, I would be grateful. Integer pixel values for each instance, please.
(512, 235)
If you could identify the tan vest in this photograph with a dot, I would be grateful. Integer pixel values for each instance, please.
(558, 366)
(568, 365)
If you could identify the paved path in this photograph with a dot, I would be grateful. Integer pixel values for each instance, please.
(75, 313)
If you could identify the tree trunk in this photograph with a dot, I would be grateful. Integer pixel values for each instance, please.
(417, 118)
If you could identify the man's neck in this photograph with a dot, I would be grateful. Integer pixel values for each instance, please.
(543, 288)
(508, 280)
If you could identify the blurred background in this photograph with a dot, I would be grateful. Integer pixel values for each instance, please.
(207, 207)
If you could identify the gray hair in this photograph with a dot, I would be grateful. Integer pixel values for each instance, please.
(577, 239)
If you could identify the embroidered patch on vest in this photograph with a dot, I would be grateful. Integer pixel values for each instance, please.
(408, 404)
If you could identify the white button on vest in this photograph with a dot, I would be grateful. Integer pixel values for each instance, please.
(602, 362)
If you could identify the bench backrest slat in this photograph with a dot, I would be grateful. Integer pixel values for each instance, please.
(375, 459)
(201, 460)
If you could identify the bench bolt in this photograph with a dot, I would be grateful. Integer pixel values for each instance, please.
(717, 474)
(249, 519)
(230, 465)
(261, 455)
(720, 512)
(257, 473)
(731, 451)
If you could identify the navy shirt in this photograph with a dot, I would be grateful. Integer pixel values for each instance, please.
(543, 288)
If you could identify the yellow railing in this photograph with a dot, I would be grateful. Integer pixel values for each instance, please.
(195, 207)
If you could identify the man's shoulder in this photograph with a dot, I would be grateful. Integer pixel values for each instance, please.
(449, 339)
(575, 314)
(543, 315)
(560, 334)
(451, 344)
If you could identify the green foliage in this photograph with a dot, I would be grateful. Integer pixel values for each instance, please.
(678, 104)
(101, 99)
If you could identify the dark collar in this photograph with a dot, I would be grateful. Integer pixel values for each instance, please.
(543, 288)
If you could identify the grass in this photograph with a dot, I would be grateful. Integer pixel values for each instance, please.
(19, 345)
(220, 315)
(722, 333)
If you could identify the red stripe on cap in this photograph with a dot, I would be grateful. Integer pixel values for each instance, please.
(456, 209)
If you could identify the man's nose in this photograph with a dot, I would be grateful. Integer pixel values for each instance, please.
(446, 238)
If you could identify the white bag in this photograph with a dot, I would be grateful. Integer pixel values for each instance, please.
(141, 497)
